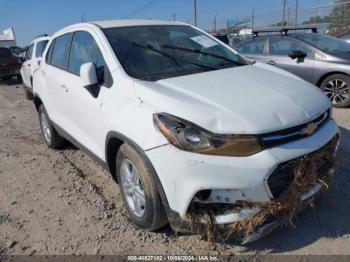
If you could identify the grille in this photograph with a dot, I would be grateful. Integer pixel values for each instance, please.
(283, 176)
(295, 133)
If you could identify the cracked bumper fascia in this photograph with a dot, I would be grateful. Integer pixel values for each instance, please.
(183, 174)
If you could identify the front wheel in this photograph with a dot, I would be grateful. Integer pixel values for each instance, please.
(337, 89)
(51, 137)
(138, 190)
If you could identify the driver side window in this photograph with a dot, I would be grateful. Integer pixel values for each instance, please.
(84, 49)
(282, 46)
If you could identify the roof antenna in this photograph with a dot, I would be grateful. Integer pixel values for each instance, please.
(83, 19)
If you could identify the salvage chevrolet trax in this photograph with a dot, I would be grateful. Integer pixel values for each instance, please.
(195, 134)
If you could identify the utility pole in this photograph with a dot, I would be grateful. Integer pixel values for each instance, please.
(288, 17)
(296, 12)
(174, 16)
(215, 22)
(195, 12)
(284, 13)
(253, 18)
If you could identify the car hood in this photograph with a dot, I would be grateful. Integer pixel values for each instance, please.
(250, 99)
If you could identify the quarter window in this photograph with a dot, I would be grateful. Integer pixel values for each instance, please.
(29, 53)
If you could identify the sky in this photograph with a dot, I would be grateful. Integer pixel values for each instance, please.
(33, 17)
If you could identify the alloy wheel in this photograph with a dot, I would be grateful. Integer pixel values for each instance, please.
(337, 91)
(132, 188)
(45, 125)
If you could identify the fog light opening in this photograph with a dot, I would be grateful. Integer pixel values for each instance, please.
(203, 195)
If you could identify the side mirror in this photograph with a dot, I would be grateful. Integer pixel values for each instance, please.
(297, 54)
(89, 76)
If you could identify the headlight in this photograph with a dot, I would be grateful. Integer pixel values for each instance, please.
(189, 137)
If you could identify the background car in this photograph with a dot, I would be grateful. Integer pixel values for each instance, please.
(345, 36)
(9, 64)
(32, 61)
(222, 37)
(319, 59)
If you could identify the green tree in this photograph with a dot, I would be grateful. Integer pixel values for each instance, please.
(340, 17)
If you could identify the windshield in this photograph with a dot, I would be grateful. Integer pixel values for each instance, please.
(5, 52)
(152, 53)
(326, 43)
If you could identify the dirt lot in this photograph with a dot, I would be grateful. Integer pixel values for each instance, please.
(61, 202)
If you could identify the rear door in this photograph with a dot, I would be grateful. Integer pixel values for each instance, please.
(54, 72)
(254, 49)
(25, 70)
(279, 48)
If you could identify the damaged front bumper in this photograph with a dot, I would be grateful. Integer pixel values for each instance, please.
(247, 221)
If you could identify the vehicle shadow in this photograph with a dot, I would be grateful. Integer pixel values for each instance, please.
(11, 82)
(329, 219)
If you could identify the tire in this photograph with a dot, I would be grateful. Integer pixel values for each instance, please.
(152, 216)
(28, 94)
(19, 78)
(337, 89)
(51, 137)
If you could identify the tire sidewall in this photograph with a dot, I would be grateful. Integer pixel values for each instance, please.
(41, 111)
(153, 206)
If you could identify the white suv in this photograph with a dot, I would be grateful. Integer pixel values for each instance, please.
(195, 134)
(32, 62)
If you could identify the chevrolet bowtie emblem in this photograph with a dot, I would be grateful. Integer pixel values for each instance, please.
(309, 129)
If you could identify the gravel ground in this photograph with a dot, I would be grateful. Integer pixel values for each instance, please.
(62, 202)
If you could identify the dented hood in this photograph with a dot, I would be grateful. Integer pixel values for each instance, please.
(250, 99)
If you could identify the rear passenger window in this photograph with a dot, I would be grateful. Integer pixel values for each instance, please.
(59, 51)
(253, 47)
(40, 47)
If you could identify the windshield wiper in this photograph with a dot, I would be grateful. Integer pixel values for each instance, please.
(149, 47)
(197, 51)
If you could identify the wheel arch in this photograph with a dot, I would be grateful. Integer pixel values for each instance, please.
(113, 142)
(324, 76)
(37, 102)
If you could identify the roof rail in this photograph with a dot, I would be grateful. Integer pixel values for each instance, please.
(283, 31)
(41, 35)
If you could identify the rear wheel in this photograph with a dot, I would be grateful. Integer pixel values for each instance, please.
(138, 190)
(51, 137)
(337, 89)
(19, 77)
(28, 94)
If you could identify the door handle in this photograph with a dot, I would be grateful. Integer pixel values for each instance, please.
(64, 88)
(271, 62)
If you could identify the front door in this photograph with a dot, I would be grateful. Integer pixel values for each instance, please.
(279, 48)
(82, 107)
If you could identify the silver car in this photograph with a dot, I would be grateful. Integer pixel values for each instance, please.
(319, 59)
